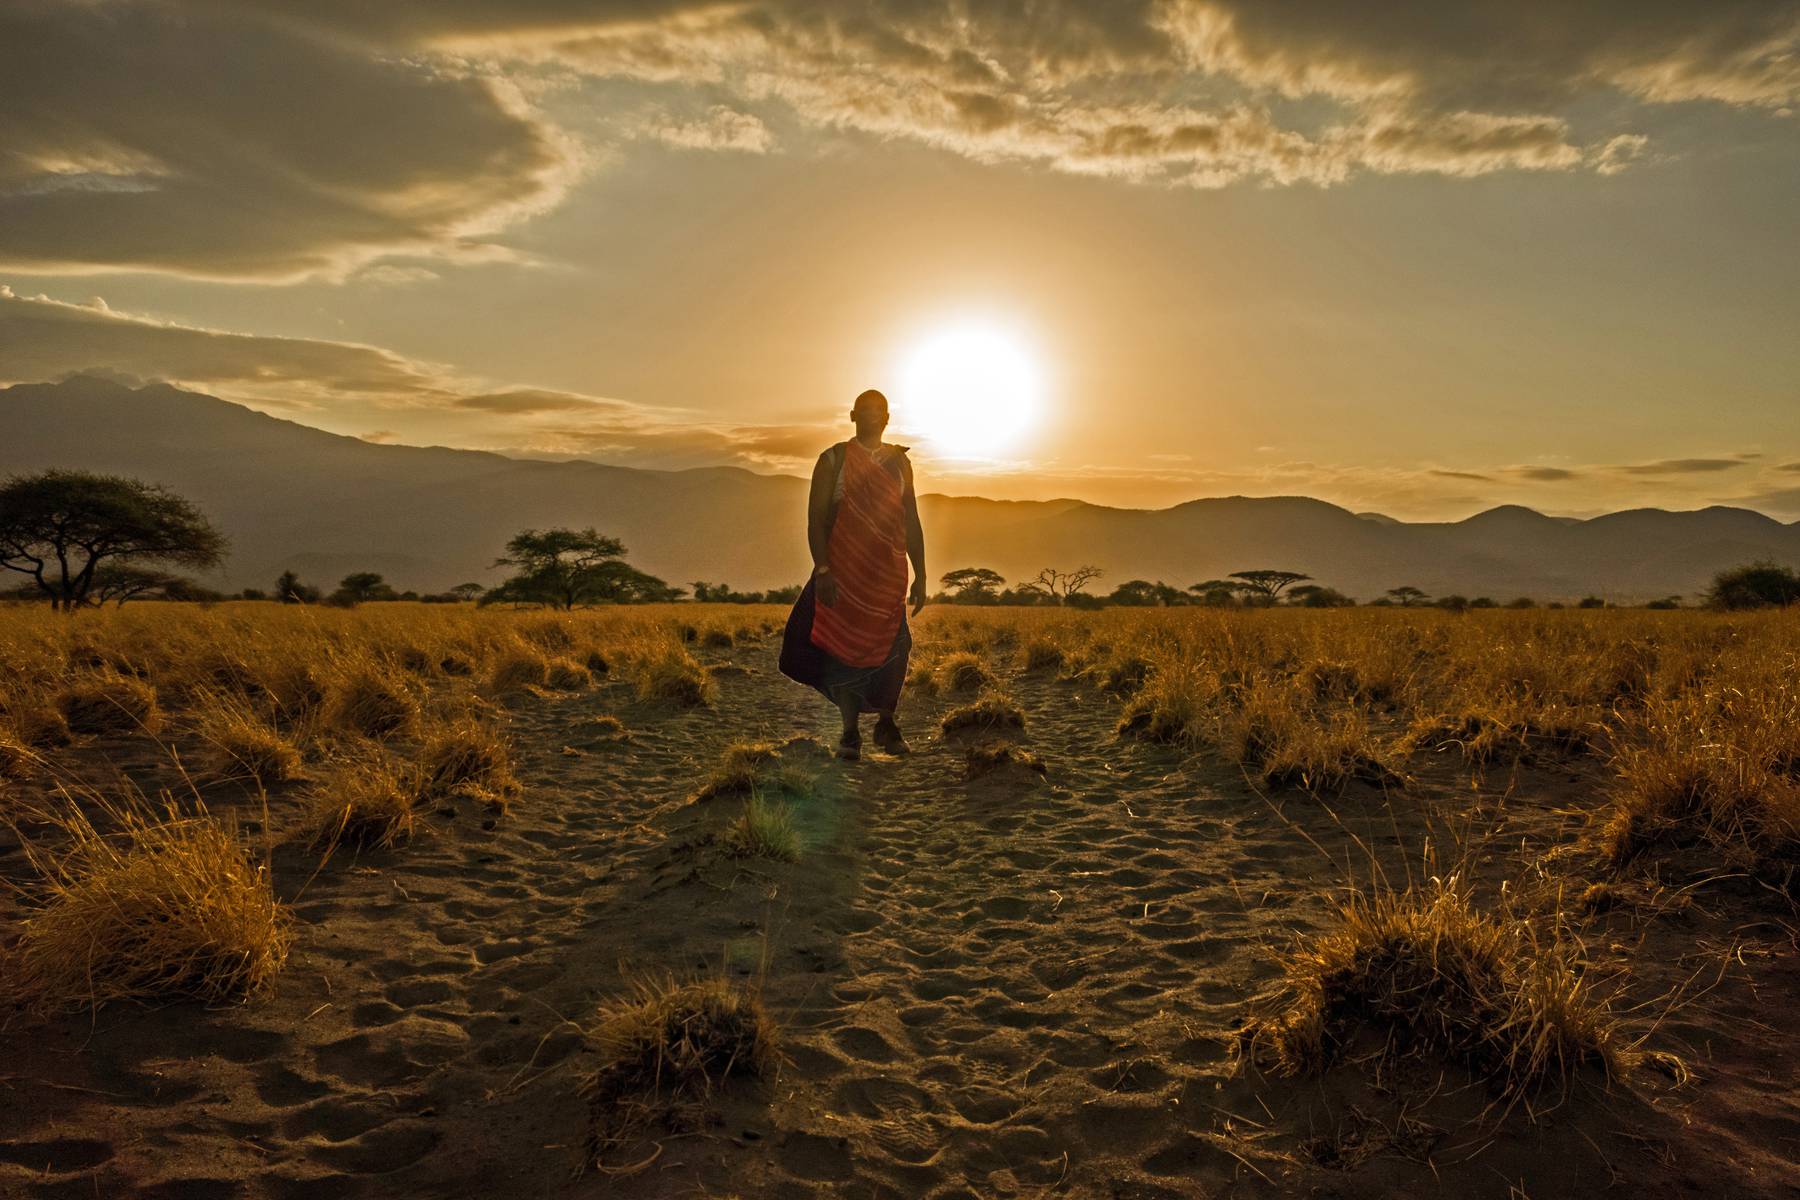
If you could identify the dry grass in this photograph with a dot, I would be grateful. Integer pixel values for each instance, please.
(675, 677)
(987, 758)
(365, 802)
(664, 1046)
(765, 829)
(164, 904)
(519, 670)
(964, 671)
(750, 766)
(567, 675)
(107, 702)
(1424, 969)
(990, 714)
(238, 744)
(467, 757)
(367, 700)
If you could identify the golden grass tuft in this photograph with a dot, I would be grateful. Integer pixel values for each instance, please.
(716, 639)
(987, 758)
(1043, 654)
(365, 700)
(170, 904)
(107, 702)
(17, 760)
(39, 726)
(964, 671)
(675, 677)
(518, 670)
(567, 675)
(467, 757)
(992, 713)
(749, 766)
(364, 803)
(765, 829)
(665, 1045)
(237, 744)
(1424, 969)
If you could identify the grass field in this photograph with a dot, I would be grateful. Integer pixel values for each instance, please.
(431, 900)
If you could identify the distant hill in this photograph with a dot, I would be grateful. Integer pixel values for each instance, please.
(294, 497)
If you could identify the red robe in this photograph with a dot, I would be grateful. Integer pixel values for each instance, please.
(867, 555)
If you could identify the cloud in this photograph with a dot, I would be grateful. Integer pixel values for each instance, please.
(1545, 474)
(1682, 466)
(265, 140)
(198, 140)
(1470, 475)
(1793, 466)
(722, 128)
(344, 386)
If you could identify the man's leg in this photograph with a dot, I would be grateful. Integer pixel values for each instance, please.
(850, 708)
(888, 735)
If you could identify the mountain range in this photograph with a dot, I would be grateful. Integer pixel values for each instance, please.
(294, 497)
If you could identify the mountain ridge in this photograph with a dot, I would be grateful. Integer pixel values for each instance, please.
(429, 517)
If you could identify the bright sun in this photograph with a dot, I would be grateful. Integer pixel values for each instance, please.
(970, 388)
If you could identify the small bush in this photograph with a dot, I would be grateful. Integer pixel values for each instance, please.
(171, 905)
(1428, 970)
(716, 639)
(665, 1044)
(1758, 585)
(989, 714)
(107, 702)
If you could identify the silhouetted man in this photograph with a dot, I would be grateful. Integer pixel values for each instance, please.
(847, 635)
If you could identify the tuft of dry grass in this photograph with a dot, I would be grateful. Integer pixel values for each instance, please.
(237, 744)
(675, 677)
(1043, 654)
(749, 766)
(365, 700)
(986, 758)
(964, 671)
(167, 904)
(17, 760)
(716, 639)
(567, 675)
(365, 803)
(765, 829)
(664, 1046)
(108, 702)
(467, 757)
(992, 713)
(518, 670)
(1424, 969)
(39, 726)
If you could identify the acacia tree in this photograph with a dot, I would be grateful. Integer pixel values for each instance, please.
(362, 586)
(289, 590)
(1061, 585)
(61, 527)
(1268, 584)
(565, 568)
(973, 585)
(467, 591)
(1408, 596)
(118, 582)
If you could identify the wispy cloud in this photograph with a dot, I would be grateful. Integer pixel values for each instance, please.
(1682, 466)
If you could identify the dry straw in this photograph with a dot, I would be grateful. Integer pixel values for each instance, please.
(167, 903)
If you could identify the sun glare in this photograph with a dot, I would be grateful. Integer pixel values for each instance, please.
(971, 389)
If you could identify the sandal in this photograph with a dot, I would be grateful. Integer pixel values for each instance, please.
(890, 739)
(850, 749)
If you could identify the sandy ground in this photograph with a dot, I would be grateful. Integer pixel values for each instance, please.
(1013, 986)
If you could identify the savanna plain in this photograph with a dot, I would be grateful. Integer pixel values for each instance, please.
(415, 900)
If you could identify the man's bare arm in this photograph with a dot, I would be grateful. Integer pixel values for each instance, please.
(915, 541)
(818, 529)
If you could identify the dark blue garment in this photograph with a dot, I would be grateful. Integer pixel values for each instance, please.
(877, 687)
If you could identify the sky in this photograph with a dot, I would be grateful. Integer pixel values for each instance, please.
(1414, 258)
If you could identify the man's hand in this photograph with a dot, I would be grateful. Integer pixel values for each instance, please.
(918, 596)
(826, 589)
